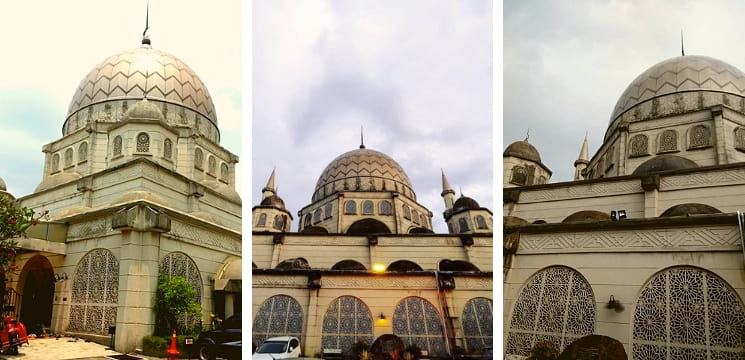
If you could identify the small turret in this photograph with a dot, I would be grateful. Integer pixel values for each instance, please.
(271, 214)
(269, 189)
(448, 194)
(581, 164)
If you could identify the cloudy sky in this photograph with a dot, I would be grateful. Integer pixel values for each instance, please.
(417, 75)
(49, 46)
(567, 62)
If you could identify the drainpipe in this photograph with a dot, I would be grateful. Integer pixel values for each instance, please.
(741, 227)
(445, 315)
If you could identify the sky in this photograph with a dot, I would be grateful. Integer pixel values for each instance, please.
(566, 63)
(416, 75)
(50, 46)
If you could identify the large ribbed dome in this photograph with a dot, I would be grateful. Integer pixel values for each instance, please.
(144, 72)
(366, 165)
(681, 74)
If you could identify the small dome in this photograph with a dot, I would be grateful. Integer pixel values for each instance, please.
(662, 163)
(144, 110)
(514, 220)
(362, 163)
(681, 74)
(690, 209)
(587, 215)
(3, 187)
(143, 72)
(523, 150)
(465, 203)
(275, 201)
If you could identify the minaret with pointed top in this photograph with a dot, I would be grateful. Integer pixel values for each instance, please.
(581, 163)
(448, 194)
(269, 189)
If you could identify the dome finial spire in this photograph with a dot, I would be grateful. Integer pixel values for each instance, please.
(362, 138)
(682, 49)
(145, 38)
(527, 135)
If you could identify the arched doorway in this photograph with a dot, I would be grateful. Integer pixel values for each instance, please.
(37, 290)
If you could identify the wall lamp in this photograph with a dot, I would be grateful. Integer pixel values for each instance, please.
(381, 317)
(617, 214)
(60, 277)
(614, 304)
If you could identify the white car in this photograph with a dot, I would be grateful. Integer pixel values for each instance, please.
(280, 347)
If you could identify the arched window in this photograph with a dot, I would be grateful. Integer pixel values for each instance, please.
(463, 225)
(279, 223)
(262, 220)
(740, 138)
(83, 152)
(180, 264)
(423, 220)
(668, 141)
(350, 207)
(368, 207)
(415, 216)
(307, 221)
(328, 210)
(280, 315)
(519, 175)
(699, 137)
(68, 157)
(688, 313)
(167, 148)
(385, 207)
(477, 324)
(211, 165)
(317, 216)
(480, 222)
(117, 145)
(417, 322)
(95, 293)
(555, 305)
(143, 142)
(639, 145)
(55, 162)
(450, 229)
(198, 159)
(407, 212)
(224, 172)
(347, 319)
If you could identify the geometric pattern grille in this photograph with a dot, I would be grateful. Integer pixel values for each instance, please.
(556, 305)
(347, 319)
(180, 264)
(688, 313)
(95, 289)
(416, 321)
(280, 315)
(477, 323)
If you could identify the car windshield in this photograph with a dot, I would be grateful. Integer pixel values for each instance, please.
(272, 348)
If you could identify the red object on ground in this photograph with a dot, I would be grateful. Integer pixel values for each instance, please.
(173, 351)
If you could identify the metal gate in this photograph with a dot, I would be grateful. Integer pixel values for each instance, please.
(11, 302)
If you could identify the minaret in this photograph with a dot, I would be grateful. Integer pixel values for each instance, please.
(448, 194)
(269, 189)
(582, 161)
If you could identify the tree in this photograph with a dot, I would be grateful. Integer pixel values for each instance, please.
(174, 300)
(14, 221)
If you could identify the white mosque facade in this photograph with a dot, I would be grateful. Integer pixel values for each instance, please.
(645, 245)
(137, 187)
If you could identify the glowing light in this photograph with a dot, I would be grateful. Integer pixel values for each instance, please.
(378, 268)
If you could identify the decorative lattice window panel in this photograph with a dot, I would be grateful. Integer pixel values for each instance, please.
(224, 172)
(167, 148)
(262, 220)
(279, 315)
(668, 141)
(211, 165)
(385, 207)
(180, 264)
(556, 305)
(740, 138)
(417, 322)
(519, 175)
(68, 157)
(328, 210)
(688, 313)
(143, 142)
(477, 323)
(83, 152)
(639, 145)
(198, 158)
(368, 207)
(117, 145)
(699, 137)
(55, 162)
(347, 319)
(95, 289)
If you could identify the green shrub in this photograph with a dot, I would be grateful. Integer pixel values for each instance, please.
(174, 300)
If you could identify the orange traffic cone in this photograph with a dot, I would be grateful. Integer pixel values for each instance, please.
(172, 351)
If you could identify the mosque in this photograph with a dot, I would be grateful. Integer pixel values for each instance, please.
(137, 187)
(645, 245)
(363, 263)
